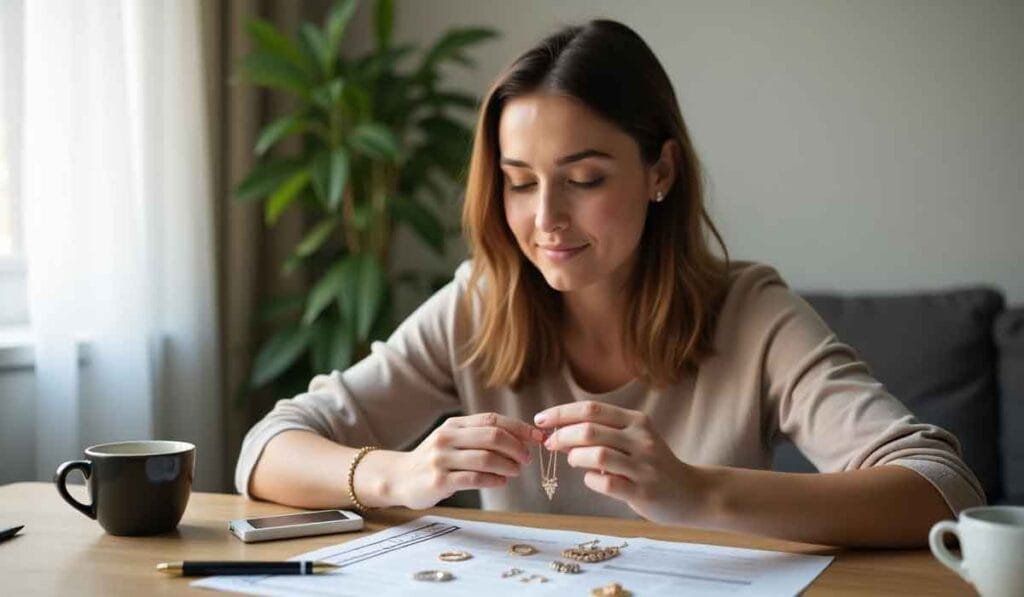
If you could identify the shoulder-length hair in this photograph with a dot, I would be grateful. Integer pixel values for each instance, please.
(678, 282)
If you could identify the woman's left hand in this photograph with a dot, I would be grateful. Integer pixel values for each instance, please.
(626, 459)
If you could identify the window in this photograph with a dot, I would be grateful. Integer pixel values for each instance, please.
(13, 295)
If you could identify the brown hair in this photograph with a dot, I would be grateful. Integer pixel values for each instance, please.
(678, 281)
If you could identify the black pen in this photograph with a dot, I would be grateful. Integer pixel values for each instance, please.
(243, 567)
(8, 533)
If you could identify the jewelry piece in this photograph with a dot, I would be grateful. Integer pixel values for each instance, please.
(548, 471)
(352, 477)
(610, 590)
(522, 549)
(454, 556)
(565, 567)
(659, 196)
(591, 553)
(511, 572)
(534, 577)
(433, 575)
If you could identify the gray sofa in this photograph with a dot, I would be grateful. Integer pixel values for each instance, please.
(956, 359)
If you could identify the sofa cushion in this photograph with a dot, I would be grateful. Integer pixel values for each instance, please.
(935, 352)
(1010, 342)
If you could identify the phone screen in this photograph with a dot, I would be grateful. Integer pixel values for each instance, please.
(293, 519)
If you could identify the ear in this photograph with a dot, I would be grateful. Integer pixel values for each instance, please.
(662, 174)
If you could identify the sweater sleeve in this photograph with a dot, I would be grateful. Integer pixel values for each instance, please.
(826, 401)
(388, 399)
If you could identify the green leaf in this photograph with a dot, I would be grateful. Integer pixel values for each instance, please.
(284, 196)
(362, 293)
(278, 353)
(326, 95)
(279, 307)
(449, 45)
(337, 20)
(265, 177)
(271, 70)
(362, 216)
(270, 40)
(375, 141)
(277, 130)
(326, 290)
(384, 22)
(314, 45)
(423, 221)
(342, 344)
(339, 168)
(357, 101)
(315, 238)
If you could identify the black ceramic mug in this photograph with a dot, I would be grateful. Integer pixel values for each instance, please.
(137, 488)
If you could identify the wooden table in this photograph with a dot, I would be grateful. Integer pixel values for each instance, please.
(61, 552)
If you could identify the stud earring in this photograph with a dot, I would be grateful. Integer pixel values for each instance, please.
(659, 196)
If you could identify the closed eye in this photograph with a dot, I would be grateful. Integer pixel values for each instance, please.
(587, 184)
(518, 188)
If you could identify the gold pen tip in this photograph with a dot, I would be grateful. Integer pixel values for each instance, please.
(168, 568)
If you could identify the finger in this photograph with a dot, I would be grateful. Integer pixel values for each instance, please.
(520, 429)
(493, 439)
(461, 480)
(601, 459)
(610, 485)
(589, 434)
(585, 411)
(483, 461)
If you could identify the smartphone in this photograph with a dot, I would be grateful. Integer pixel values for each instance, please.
(303, 524)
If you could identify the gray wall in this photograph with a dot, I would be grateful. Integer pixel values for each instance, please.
(871, 145)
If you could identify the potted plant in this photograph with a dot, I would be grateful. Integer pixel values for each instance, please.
(376, 140)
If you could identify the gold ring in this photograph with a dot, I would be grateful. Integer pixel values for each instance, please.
(454, 556)
(522, 549)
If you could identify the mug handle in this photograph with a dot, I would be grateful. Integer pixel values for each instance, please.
(935, 541)
(61, 479)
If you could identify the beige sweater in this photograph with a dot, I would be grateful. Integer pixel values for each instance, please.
(778, 371)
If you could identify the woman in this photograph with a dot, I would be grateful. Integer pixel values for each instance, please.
(595, 318)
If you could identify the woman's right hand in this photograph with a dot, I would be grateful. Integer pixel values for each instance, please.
(471, 452)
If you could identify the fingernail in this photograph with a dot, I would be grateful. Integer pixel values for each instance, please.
(540, 419)
(549, 442)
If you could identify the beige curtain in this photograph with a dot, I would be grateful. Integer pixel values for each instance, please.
(248, 254)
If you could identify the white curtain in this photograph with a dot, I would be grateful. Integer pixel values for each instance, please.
(118, 206)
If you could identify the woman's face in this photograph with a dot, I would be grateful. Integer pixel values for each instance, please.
(575, 192)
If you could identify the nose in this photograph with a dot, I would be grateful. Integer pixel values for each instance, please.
(551, 215)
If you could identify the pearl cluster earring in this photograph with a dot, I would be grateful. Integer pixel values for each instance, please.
(659, 197)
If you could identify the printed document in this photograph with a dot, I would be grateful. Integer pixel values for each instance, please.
(385, 563)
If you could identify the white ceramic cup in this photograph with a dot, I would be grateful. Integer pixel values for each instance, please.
(992, 544)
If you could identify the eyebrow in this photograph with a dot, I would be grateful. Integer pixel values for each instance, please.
(568, 159)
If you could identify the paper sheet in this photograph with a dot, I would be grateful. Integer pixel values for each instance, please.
(383, 564)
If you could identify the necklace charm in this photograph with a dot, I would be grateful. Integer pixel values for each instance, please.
(511, 572)
(548, 471)
(589, 552)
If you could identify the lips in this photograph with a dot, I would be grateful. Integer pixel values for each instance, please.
(561, 253)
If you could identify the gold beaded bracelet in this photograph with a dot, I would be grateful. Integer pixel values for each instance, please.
(352, 477)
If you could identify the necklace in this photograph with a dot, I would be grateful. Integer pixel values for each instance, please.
(548, 471)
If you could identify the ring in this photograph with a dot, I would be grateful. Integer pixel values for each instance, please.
(454, 556)
(522, 549)
(433, 575)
